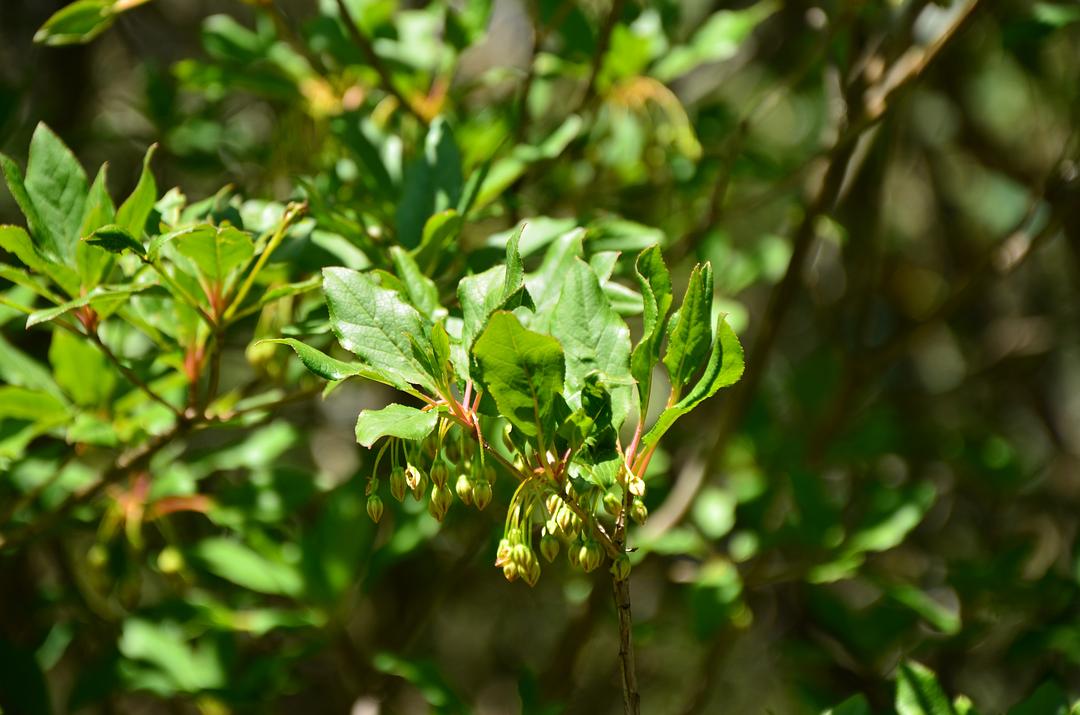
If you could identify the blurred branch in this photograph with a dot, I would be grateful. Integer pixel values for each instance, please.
(875, 102)
(364, 43)
(602, 44)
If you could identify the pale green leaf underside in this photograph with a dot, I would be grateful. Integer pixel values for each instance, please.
(395, 420)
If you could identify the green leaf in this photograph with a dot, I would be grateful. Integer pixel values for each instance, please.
(378, 326)
(432, 183)
(17, 368)
(164, 646)
(52, 195)
(439, 232)
(81, 370)
(724, 368)
(217, 254)
(200, 233)
(594, 338)
(498, 288)
(104, 299)
(918, 692)
(92, 262)
(421, 290)
(242, 565)
(690, 332)
(115, 239)
(134, 212)
(32, 405)
(395, 420)
(656, 298)
(855, 705)
(717, 39)
(79, 22)
(523, 371)
(1048, 699)
(322, 364)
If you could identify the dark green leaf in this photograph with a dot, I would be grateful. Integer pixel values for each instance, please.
(523, 371)
(115, 239)
(134, 212)
(690, 333)
(79, 22)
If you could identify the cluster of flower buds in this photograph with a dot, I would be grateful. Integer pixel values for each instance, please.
(474, 484)
(517, 559)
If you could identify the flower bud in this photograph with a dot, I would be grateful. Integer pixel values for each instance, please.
(439, 474)
(520, 554)
(170, 560)
(612, 504)
(531, 573)
(464, 489)
(421, 486)
(553, 502)
(481, 493)
(440, 501)
(510, 571)
(573, 555)
(506, 550)
(397, 483)
(637, 486)
(591, 556)
(97, 556)
(638, 512)
(374, 507)
(549, 547)
(412, 476)
(620, 568)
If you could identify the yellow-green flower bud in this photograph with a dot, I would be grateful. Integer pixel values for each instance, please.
(638, 512)
(397, 483)
(464, 489)
(412, 476)
(549, 547)
(439, 474)
(481, 493)
(531, 573)
(421, 485)
(637, 486)
(170, 560)
(612, 504)
(374, 507)
(573, 555)
(620, 568)
(510, 571)
(506, 550)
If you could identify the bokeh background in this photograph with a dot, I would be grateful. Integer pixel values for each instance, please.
(888, 192)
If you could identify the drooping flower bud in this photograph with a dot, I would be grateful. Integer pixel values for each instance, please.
(612, 504)
(591, 556)
(549, 547)
(573, 555)
(553, 503)
(620, 568)
(506, 550)
(510, 571)
(481, 493)
(441, 499)
(412, 476)
(637, 486)
(374, 507)
(170, 560)
(638, 512)
(397, 483)
(464, 489)
(439, 474)
(531, 573)
(421, 486)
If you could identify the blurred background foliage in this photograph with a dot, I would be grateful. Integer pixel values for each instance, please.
(888, 192)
